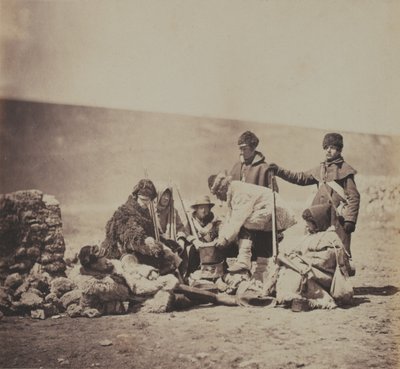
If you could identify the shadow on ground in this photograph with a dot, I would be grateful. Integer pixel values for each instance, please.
(379, 291)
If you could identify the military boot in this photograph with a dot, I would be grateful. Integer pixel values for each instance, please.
(243, 260)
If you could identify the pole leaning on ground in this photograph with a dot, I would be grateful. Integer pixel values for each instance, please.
(274, 230)
(188, 219)
(152, 211)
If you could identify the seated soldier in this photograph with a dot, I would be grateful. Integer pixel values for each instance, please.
(172, 230)
(102, 288)
(202, 230)
(308, 271)
(132, 230)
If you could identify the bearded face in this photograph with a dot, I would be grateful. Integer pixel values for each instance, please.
(202, 211)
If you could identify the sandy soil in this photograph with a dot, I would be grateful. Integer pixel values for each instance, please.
(366, 335)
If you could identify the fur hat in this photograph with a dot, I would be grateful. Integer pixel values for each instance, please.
(320, 215)
(333, 139)
(248, 138)
(211, 180)
(145, 187)
(88, 255)
(219, 184)
(205, 200)
(215, 181)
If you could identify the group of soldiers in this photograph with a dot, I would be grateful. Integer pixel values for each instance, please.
(149, 227)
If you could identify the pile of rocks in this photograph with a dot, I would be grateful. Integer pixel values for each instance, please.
(37, 294)
(30, 232)
(31, 251)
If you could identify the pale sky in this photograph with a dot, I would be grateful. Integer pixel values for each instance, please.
(326, 64)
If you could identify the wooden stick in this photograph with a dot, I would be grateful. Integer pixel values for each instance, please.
(274, 230)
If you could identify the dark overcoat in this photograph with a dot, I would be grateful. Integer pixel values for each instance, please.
(343, 174)
(256, 172)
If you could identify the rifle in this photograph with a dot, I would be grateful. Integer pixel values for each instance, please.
(172, 217)
(153, 212)
(154, 219)
(153, 215)
(188, 219)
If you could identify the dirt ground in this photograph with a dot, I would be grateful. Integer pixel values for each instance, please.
(365, 335)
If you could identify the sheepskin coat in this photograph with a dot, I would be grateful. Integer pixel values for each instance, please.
(127, 229)
(316, 254)
(250, 206)
(316, 250)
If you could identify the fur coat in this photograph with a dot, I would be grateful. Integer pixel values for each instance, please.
(127, 230)
(251, 206)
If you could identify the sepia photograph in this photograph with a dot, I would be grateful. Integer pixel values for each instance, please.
(199, 184)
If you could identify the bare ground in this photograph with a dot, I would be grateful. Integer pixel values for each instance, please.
(365, 335)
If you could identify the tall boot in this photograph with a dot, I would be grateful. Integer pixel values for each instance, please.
(243, 261)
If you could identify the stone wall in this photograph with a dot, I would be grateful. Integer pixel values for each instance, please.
(380, 199)
(30, 233)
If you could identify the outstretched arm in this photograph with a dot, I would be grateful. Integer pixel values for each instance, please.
(299, 178)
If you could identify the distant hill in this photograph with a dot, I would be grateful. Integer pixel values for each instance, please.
(96, 155)
(90, 158)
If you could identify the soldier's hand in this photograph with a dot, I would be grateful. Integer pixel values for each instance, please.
(273, 168)
(156, 248)
(149, 241)
(221, 243)
(181, 243)
(349, 227)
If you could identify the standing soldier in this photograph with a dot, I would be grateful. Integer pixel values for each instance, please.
(252, 168)
(336, 185)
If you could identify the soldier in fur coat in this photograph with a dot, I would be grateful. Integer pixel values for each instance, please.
(131, 231)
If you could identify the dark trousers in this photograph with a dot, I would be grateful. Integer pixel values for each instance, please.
(262, 242)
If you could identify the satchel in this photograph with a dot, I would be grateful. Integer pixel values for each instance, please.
(342, 206)
(341, 287)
